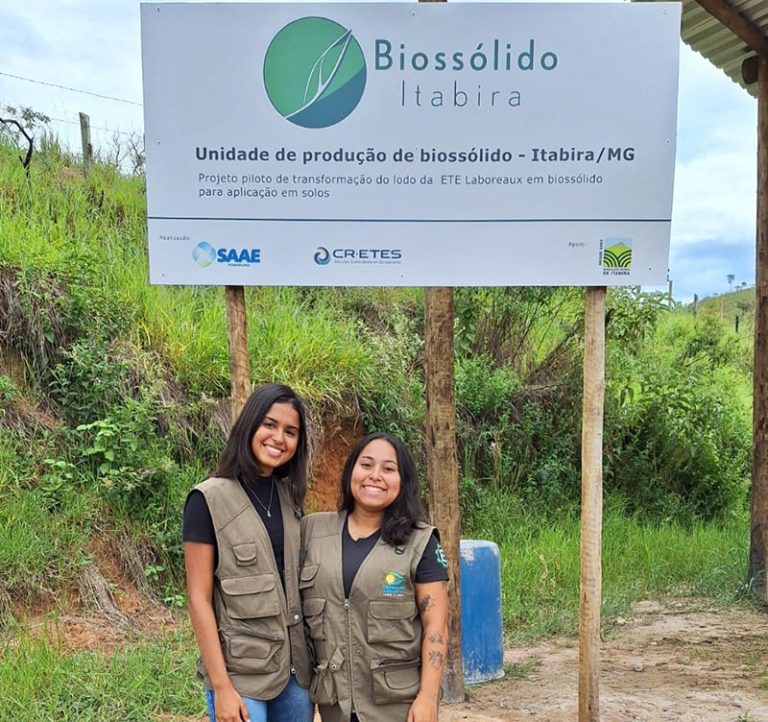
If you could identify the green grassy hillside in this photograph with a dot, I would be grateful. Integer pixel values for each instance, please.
(114, 394)
(730, 305)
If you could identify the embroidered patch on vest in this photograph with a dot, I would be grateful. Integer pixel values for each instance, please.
(394, 585)
(440, 556)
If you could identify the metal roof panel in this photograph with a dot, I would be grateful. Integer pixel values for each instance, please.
(713, 40)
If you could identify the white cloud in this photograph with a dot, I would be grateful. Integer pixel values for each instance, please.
(713, 219)
(715, 198)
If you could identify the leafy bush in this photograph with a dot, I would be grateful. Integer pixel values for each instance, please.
(89, 380)
(130, 463)
(391, 390)
(678, 422)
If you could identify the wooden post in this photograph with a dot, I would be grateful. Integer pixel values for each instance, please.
(239, 360)
(695, 304)
(591, 505)
(85, 137)
(669, 295)
(443, 467)
(758, 541)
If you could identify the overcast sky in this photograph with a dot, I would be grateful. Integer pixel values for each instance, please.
(94, 45)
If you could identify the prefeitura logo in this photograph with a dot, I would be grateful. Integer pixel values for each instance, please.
(617, 253)
(314, 72)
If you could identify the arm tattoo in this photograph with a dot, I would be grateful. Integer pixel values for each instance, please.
(436, 659)
(436, 638)
(426, 603)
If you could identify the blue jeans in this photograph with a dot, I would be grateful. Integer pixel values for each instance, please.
(292, 704)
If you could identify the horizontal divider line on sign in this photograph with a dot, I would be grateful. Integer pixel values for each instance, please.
(415, 220)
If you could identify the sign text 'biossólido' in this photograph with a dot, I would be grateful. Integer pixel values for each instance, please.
(496, 56)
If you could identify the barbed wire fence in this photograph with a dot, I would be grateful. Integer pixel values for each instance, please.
(114, 146)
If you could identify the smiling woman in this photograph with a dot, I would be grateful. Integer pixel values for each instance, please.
(374, 593)
(375, 480)
(241, 540)
(275, 440)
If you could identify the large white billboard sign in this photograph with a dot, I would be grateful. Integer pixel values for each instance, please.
(410, 144)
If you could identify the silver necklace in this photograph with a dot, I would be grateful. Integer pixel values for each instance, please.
(267, 509)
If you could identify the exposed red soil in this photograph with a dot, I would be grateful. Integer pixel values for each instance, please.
(130, 615)
(340, 435)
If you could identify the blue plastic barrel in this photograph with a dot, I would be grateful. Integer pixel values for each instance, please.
(482, 643)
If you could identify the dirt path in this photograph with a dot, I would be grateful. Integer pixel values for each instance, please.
(665, 662)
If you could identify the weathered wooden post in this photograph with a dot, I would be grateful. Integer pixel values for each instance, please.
(85, 138)
(591, 505)
(758, 542)
(442, 466)
(239, 360)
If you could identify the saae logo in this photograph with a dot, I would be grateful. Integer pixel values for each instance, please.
(314, 72)
(205, 254)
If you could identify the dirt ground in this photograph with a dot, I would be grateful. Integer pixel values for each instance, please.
(670, 661)
(666, 662)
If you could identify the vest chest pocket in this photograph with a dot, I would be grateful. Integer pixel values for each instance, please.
(251, 601)
(314, 611)
(254, 632)
(391, 620)
(245, 554)
(249, 655)
(307, 575)
(395, 681)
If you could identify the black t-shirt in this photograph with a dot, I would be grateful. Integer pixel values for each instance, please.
(431, 568)
(198, 524)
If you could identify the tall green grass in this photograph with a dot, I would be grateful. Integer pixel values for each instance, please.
(39, 551)
(90, 234)
(540, 563)
(46, 518)
(43, 682)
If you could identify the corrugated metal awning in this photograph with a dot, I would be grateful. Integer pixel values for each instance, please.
(712, 38)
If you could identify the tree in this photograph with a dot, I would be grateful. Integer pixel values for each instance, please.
(730, 278)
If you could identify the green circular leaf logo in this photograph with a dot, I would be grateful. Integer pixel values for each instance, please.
(314, 72)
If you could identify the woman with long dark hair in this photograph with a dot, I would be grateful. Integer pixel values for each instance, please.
(241, 550)
(374, 593)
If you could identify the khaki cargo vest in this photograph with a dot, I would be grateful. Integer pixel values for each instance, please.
(260, 628)
(367, 648)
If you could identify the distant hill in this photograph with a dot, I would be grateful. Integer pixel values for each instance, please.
(729, 305)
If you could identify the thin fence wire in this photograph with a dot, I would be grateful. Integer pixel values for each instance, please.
(70, 89)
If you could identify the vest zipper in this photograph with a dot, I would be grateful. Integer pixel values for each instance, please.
(350, 657)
